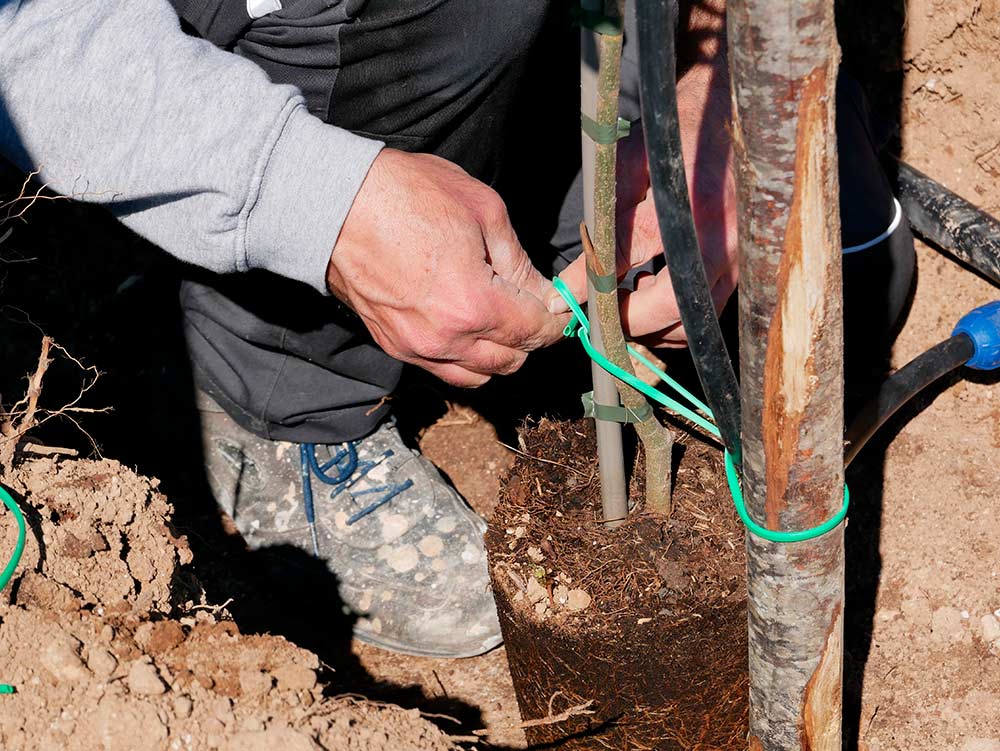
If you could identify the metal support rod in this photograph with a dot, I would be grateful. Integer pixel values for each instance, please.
(610, 457)
(784, 59)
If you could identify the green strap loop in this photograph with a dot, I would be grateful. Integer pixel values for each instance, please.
(608, 413)
(15, 558)
(605, 135)
(736, 489)
(579, 326)
(602, 282)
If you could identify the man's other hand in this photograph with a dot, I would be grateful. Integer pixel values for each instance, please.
(650, 313)
(428, 259)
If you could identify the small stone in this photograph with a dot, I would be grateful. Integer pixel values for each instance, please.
(535, 554)
(642, 621)
(536, 592)
(541, 606)
(101, 662)
(519, 532)
(561, 594)
(991, 628)
(144, 680)
(183, 706)
(578, 600)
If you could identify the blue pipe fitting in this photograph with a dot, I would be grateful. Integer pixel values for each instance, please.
(982, 326)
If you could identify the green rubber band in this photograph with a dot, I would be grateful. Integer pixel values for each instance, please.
(608, 413)
(579, 326)
(15, 558)
(605, 134)
(602, 282)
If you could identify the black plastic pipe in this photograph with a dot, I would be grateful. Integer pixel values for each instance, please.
(657, 24)
(902, 386)
(949, 221)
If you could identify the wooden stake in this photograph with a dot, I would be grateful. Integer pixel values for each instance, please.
(784, 59)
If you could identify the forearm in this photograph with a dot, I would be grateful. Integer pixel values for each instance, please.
(190, 146)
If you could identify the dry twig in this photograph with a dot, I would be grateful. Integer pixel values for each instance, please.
(574, 711)
(26, 414)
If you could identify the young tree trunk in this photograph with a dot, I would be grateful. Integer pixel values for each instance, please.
(784, 59)
(657, 441)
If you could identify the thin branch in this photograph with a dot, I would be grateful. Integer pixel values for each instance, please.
(577, 710)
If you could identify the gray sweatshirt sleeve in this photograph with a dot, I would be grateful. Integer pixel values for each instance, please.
(191, 147)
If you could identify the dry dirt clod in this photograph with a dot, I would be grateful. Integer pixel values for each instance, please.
(144, 679)
(62, 659)
(101, 662)
(295, 678)
(285, 739)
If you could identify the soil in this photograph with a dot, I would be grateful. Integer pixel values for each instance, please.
(923, 610)
(105, 654)
(643, 625)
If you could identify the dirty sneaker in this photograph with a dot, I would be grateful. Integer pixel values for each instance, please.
(407, 551)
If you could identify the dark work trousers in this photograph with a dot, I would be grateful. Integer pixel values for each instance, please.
(492, 86)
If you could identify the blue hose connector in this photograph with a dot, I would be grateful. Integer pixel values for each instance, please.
(982, 326)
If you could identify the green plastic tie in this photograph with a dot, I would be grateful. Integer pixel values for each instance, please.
(605, 134)
(15, 558)
(602, 282)
(579, 326)
(610, 413)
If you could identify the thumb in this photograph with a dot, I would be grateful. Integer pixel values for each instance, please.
(574, 276)
(512, 264)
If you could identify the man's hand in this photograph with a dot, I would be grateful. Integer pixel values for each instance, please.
(427, 257)
(650, 313)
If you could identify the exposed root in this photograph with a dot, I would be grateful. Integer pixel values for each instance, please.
(26, 414)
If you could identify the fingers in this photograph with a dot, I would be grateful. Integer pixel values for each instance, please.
(519, 319)
(574, 276)
(651, 308)
(653, 302)
(456, 375)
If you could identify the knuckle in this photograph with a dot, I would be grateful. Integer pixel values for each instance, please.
(492, 208)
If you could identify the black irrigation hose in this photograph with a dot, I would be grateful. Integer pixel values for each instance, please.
(949, 221)
(902, 386)
(657, 23)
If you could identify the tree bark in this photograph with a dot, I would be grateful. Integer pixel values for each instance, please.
(784, 59)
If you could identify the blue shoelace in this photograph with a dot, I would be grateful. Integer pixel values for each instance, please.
(342, 471)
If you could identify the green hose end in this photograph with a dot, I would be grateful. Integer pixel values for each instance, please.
(6, 688)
